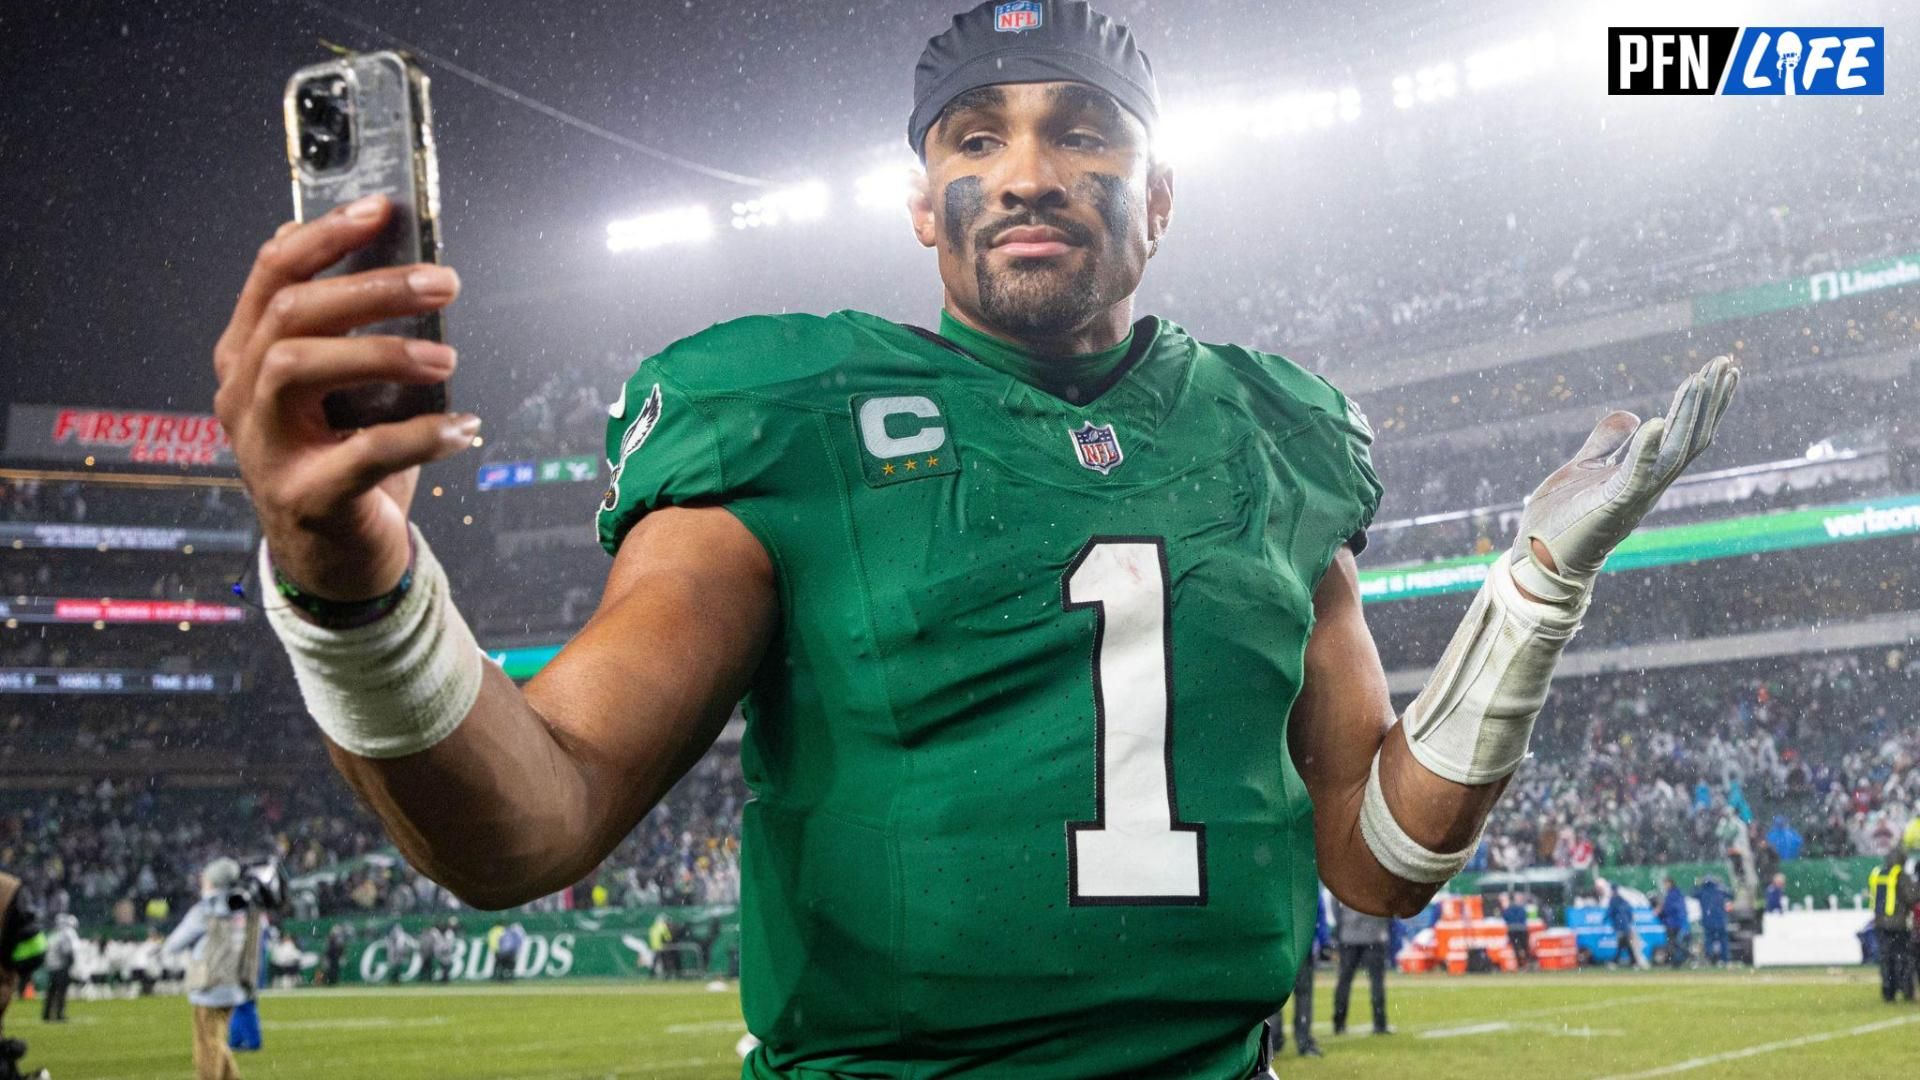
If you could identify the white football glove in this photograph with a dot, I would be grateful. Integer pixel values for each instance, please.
(1590, 504)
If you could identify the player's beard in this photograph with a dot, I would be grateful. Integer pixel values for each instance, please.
(1037, 299)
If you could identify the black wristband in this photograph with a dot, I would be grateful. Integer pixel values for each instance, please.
(344, 614)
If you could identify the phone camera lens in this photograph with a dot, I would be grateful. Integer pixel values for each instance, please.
(325, 113)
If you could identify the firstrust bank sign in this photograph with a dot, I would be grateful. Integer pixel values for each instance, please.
(116, 436)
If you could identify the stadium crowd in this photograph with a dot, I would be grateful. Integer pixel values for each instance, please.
(1761, 226)
(1774, 760)
(73, 501)
(1477, 481)
(122, 575)
(1782, 759)
(1838, 403)
(1357, 292)
(129, 852)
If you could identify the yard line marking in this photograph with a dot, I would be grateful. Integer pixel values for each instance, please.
(354, 1023)
(1500, 1026)
(627, 1070)
(708, 1027)
(1470, 1029)
(1549, 1011)
(1766, 1048)
(1546, 1012)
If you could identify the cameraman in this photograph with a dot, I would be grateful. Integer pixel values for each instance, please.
(22, 946)
(223, 932)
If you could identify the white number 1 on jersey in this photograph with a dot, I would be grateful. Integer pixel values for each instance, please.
(1137, 851)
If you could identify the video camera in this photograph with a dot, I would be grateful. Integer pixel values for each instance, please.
(262, 886)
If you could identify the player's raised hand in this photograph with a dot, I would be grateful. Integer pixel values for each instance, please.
(333, 505)
(1590, 504)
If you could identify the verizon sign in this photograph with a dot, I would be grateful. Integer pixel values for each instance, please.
(113, 436)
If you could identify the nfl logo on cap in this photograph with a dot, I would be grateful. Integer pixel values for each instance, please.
(1016, 16)
(1098, 448)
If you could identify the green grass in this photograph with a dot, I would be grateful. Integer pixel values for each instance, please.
(1499, 1027)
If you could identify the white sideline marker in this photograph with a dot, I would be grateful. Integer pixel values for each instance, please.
(1765, 1048)
(1495, 1027)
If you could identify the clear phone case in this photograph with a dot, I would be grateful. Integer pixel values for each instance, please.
(362, 125)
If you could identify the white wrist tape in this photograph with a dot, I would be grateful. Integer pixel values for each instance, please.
(1557, 589)
(1399, 854)
(1473, 719)
(393, 687)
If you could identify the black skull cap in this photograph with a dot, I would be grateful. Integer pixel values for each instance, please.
(1027, 41)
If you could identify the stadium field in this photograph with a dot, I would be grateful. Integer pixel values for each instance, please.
(1807, 1025)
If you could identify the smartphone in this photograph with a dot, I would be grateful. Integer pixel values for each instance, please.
(361, 125)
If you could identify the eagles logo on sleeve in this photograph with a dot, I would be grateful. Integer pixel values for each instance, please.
(635, 437)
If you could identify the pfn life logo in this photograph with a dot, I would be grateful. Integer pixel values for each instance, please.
(1791, 61)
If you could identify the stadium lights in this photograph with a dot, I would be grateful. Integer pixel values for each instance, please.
(1294, 114)
(1436, 82)
(1184, 137)
(1188, 136)
(1497, 65)
(1510, 62)
(801, 202)
(685, 225)
(885, 188)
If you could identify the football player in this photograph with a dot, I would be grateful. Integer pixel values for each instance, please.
(1059, 695)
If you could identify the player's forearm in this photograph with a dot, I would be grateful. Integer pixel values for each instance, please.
(1442, 805)
(1437, 813)
(469, 780)
(506, 794)
(1399, 803)
(500, 812)
(537, 785)
(1426, 795)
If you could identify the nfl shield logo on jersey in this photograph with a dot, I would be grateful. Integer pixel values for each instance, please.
(1099, 450)
(1017, 16)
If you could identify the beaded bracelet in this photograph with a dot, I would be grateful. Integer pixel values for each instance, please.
(344, 614)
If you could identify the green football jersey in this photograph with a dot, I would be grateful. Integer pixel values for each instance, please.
(1022, 804)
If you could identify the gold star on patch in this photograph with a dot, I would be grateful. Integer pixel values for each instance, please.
(887, 469)
(933, 463)
(910, 465)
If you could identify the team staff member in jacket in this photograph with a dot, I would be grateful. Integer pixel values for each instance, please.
(1893, 897)
(22, 948)
(1626, 939)
(1714, 902)
(1363, 941)
(1673, 916)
